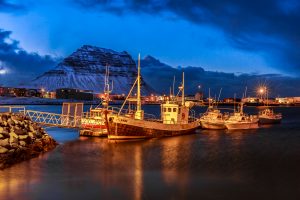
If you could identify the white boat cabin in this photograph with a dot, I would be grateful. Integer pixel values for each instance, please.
(173, 113)
(96, 113)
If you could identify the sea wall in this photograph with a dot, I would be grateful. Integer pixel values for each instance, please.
(21, 139)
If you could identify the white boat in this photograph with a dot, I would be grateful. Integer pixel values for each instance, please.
(240, 120)
(213, 119)
(267, 116)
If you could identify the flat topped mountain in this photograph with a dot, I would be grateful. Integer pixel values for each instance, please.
(85, 69)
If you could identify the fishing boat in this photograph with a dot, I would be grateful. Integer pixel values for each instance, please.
(240, 120)
(175, 118)
(268, 116)
(213, 119)
(93, 123)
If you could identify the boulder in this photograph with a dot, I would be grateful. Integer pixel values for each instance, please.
(22, 143)
(4, 131)
(4, 142)
(3, 150)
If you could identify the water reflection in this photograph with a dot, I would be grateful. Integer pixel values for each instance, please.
(212, 164)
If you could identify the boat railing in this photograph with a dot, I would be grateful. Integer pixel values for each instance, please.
(192, 116)
(150, 117)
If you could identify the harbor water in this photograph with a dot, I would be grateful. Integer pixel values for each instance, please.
(210, 164)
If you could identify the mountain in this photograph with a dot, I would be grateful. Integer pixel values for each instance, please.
(85, 69)
(161, 75)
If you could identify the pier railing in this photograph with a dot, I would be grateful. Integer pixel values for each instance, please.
(53, 119)
(12, 109)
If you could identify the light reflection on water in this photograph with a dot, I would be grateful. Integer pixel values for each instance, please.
(248, 164)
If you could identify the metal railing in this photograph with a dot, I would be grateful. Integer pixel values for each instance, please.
(12, 109)
(54, 119)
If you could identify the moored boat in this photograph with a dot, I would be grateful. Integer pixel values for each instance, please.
(175, 119)
(93, 123)
(213, 119)
(240, 120)
(268, 116)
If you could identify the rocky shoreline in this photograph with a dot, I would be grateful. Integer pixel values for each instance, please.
(21, 139)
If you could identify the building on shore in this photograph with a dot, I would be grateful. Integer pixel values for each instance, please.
(76, 94)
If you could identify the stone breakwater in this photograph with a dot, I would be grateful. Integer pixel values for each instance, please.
(21, 139)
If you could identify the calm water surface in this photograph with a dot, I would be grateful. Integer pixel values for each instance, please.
(251, 164)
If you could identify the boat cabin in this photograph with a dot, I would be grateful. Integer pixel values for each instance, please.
(96, 113)
(172, 113)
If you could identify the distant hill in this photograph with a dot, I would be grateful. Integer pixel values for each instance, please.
(160, 75)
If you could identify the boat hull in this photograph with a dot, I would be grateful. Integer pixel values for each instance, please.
(212, 125)
(263, 120)
(136, 129)
(239, 125)
(93, 132)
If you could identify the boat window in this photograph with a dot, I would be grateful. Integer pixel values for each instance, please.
(169, 110)
(174, 110)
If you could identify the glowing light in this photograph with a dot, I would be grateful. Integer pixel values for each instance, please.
(261, 90)
(2, 70)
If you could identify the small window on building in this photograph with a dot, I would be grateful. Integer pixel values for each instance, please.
(165, 109)
(174, 110)
(169, 110)
(179, 110)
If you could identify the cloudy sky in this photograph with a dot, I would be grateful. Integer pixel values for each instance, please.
(256, 37)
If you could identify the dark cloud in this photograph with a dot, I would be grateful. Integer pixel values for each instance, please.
(6, 6)
(268, 26)
(20, 65)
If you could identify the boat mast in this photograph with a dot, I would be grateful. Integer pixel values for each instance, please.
(139, 105)
(107, 89)
(173, 87)
(182, 98)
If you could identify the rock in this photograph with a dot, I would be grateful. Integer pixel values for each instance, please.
(4, 142)
(3, 150)
(22, 143)
(25, 138)
(13, 134)
(4, 131)
(21, 139)
(13, 141)
(19, 131)
(10, 122)
(32, 134)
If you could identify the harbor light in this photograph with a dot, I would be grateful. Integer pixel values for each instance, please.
(261, 90)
